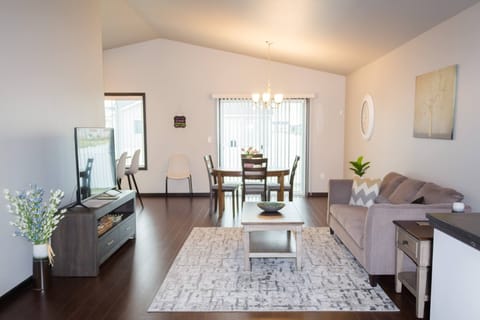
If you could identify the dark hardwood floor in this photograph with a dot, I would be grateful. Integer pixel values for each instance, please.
(129, 280)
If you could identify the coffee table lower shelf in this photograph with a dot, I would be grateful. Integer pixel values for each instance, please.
(286, 220)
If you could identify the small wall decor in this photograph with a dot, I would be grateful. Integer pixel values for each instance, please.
(179, 121)
(435, 104)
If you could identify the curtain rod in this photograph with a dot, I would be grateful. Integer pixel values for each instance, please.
(249, 96)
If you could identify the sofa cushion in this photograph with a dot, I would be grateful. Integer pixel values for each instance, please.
(406, 192)
(352, 218)
(364, 191)
(389, 183)
(381, 199)
(433, 193)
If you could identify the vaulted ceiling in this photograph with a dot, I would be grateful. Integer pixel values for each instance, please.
(337, 36)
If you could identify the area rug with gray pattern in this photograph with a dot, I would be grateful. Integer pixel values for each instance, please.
(208, 275)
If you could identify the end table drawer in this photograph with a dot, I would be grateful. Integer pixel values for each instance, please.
(408, 244)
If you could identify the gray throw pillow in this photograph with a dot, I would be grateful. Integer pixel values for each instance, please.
(433, 193)
(406, 192)
(381, 199)
(389, 183)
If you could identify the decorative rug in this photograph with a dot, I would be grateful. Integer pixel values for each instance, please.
(207, 275)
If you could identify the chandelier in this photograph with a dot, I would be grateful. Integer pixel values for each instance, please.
(267, 99)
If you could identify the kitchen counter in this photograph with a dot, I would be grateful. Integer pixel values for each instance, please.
(456, 257)
(464, 227)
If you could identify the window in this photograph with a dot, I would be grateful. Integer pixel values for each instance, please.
(278, 133)
(125, 113)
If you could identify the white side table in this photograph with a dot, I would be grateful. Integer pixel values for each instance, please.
(414, 239)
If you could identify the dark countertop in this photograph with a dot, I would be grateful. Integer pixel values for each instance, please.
(464, 227)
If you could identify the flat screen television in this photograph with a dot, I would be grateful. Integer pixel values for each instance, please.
(95, 162)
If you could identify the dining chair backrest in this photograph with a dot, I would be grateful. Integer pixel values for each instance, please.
(178, 167)
(133, 169)
(209, 165)
(254, 169)
(257, 155)
(294, 169)
(121, 163)
(254, 177)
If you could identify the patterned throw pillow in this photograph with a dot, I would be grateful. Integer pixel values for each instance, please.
(364, 191)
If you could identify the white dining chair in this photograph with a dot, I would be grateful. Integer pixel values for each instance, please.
(121, 163)
(178, 169)
(132, 170)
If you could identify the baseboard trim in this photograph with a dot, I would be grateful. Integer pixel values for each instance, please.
(175, 195)
(12, 292)
(206, 194)
(317, 194)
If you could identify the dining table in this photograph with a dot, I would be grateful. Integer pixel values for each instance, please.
(221, 173)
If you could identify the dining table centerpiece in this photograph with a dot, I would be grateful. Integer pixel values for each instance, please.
(249, 152)
(36, 219)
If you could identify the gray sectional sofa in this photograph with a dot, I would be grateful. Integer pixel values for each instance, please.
(369, 233)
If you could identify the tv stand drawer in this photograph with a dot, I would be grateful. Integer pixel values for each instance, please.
(116, 237)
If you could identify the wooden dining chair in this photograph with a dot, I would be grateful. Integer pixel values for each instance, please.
(226, 187)
(257, 155)
(254, 177)
(287, 186)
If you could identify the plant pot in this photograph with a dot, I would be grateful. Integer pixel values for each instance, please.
(40, 251)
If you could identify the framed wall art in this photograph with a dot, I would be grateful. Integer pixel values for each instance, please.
(435, 104)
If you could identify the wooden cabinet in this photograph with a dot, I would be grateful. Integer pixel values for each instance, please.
(79, 249)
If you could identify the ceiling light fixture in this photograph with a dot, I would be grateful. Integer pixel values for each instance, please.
(266, 97)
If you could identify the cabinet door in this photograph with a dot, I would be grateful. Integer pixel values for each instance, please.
(74, 243)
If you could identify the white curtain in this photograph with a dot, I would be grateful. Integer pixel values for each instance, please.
(278, 133)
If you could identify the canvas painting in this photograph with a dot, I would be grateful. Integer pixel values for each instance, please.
(435, 104)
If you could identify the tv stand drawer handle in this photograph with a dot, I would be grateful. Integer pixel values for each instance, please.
(109, 243)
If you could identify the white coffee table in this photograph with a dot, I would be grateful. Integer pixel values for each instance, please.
(288, 219)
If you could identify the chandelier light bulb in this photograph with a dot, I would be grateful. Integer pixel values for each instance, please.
(266, 97)
(278, 98)
(256, 97)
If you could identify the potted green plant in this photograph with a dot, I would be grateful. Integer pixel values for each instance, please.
(35, 220)
(359, 167)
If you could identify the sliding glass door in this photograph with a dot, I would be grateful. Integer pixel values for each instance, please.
(278, 133)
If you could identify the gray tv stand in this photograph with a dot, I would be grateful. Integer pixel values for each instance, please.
(79, 249)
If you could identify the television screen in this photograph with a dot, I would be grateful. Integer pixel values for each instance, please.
(95, 155)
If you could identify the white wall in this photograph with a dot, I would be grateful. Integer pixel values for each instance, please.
(179, 79)
(391, 81)
(51, 65)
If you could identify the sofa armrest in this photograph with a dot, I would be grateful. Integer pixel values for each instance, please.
(339, 192)
(379, 233)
